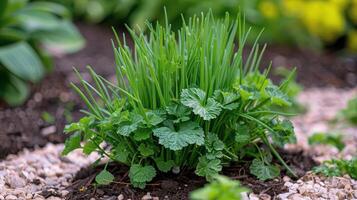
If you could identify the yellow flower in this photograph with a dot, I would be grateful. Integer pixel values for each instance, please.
(323, 19)
(352, 40)
(340, 4)
(268, 9)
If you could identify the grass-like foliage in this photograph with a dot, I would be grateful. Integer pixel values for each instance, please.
(221, 188)
(184, 100)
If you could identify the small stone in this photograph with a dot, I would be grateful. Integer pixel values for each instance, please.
(92, 198)
(120, 197)
(64, 193)
(53, 198)
(286, 179)
(341, 195)
(48, 130)
(11, 197)
(295, 197)
(147, 196)
(264, 197)
(2, 197)
(155, 198)
(253, 196)
(15, 181)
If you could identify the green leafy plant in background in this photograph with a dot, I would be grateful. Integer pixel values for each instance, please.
(338, 167)
(28, 32)
(221, 188)
(184, 100)
(327, 138)
(350, 112)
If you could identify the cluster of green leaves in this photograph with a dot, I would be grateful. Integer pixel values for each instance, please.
(27, 32)
(350, 112)
(338, 168)
(221, 188)
(327, 138)
(184, 99)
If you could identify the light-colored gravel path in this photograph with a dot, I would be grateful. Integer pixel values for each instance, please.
(25, 175)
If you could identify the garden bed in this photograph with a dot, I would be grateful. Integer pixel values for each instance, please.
(28, 127)
(53, 95)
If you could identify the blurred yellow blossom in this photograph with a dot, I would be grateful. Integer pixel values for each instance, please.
(268, 9)
(352, 40)
(340, 4)
(323, 19)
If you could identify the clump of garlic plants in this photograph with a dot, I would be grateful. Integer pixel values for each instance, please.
(184, 100)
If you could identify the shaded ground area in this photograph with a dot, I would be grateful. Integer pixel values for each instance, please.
(316, 69)
(52, 104)
(171, 186)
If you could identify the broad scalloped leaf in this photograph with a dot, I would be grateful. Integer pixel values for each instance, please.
(140, 175)
(208, 168)
(104, 177)
(72, 143)
(127, 127)
(164, 166)
(195, 98)
(227, 99)
(263, 171)
(283, 133)
(188, 133)
(277, 97)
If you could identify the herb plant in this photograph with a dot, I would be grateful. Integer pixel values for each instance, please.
(338, 167)
(184, 100)
(28, 32)
(221, 188)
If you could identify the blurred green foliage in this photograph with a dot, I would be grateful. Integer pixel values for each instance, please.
(29, 31)
(328, 139)
(350, 112)
(304, 23)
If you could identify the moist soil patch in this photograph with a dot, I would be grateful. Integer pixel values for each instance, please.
(178, 186)
(315, 69)
(27, 126)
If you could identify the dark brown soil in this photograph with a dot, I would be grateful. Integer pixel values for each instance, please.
(314, 69)
(25, 126)
(170, 186)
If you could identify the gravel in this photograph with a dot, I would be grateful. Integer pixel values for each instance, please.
(26, 175)
(29, 173)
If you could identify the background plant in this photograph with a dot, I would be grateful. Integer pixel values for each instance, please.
(328, 139)
(184, 100)
(325, 22)
(28, 32)
(338, 167)
(221, 188)
(350, 112)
